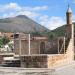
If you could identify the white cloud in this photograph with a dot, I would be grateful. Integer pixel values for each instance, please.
(10, 6)
(40, 8)
(52, 22)
(13, 9)
(35, 9)
(44, 18)
(30, 14)
(16, 7)
(73, 18)
(5, 15)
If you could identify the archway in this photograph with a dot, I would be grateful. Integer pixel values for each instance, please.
(42, 47)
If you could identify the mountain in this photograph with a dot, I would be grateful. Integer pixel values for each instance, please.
(61, 31)
(20, 23)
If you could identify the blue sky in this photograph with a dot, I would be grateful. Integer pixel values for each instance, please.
(49, 13)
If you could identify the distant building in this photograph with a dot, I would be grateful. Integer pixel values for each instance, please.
(24, 44)
(8, 34)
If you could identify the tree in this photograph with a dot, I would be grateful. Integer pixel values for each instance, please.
(5, 40)
(1, 43)
(36, 33)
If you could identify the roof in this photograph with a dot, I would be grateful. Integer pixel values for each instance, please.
(69, 9)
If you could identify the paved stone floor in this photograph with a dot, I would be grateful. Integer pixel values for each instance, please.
(64, 70)
(20, 71)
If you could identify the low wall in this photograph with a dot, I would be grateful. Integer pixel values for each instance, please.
(44, 60)
(34, 61)
(2, 55)
(57, 60)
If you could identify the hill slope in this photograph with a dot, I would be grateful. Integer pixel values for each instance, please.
(20, 23)
(60, 31)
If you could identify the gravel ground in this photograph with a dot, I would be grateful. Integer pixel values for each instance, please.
(65, 70)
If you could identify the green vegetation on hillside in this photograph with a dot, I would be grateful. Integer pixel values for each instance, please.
(58, 32)
(50, 34)
(61, 31)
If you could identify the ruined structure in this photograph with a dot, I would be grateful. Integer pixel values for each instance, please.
(24, 44)
(38, 52)
(64, 55)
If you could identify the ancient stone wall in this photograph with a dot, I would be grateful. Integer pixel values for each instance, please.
(34, 61)
(44, 61)
(57, 60)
